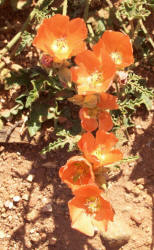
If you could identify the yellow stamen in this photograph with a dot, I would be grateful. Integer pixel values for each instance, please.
(93, 204)
(95, 79)
(116, 57)
(60, 46)
(98, 154)
(81, 171)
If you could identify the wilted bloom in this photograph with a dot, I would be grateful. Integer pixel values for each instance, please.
(89, 211)
(99, 150)
(94, 73)
(119, 47)
(87, 101)
(77, 172)
(61, 38)
(92, 118)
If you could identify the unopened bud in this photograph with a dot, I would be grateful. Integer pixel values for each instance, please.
(46, 61)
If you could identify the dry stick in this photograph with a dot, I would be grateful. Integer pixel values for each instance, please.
(18, 35)
(146, 32)
(109, 3)
(65, 8)
(86, 10)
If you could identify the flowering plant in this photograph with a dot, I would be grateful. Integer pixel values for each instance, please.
(93, 74)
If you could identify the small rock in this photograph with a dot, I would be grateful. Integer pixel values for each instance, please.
(136, 191)
(30, 177)
(32, 215)
(2, 235)
(25, 197)
(137, 218)
(16, 198)
(140, 186)
(118, 233)
(3, 215)
(52, 241)
(43, 236)
(8, 204)
(50, 164)
(140, 181)
(129, 186)
(35, 238)
(47, 208)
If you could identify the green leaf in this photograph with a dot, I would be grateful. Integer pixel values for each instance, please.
(26, 41)
(40, 113)
(34, 93)
(61, 142)
(147, 101)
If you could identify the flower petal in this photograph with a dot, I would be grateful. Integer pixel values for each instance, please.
(105, 121)
(112, 156)
(80, 220)
(108, 101)
(89, 60)
(105, 140)
(88, 123)
(87, 143)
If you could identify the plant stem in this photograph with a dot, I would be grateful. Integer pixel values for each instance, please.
(146, 32)
(18, 35)
(65, 8)
(109, 3)
(86, 9)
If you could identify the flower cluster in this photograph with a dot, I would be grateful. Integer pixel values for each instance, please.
(93, 74)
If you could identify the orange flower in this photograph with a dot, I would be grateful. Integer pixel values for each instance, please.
(94, 73)
(99, 150)
(89, 119)
(88, 210)
(61, 38)
(119, 47)
(76, 172)
(92, 118)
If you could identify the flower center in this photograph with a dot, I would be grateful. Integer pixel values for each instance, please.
(95, 79)
(98, 154)
(60, 46)
(81, 170)
(116, 57)
(93, 204)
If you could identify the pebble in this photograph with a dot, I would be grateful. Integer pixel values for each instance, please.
(52, 241)
(3, 215)
(32, 215)
(136, 191)
(140, 181)
(137, 218)
(140, 186)
(43, 236)
(25, 197)
(16, 198)
(117, 234)
(8, 204)
(47, 208)
(30, 177)
(2, 234)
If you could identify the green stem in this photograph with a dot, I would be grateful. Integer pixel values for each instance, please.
(86, 9)
(146, 32)
(65, 8)
(18, 35)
